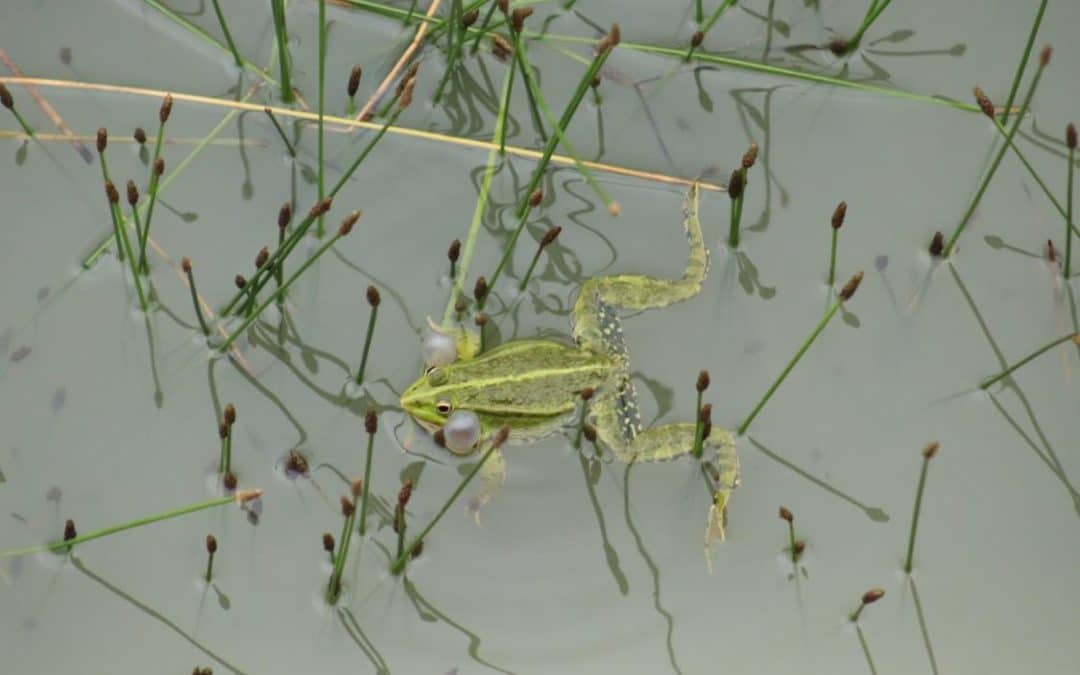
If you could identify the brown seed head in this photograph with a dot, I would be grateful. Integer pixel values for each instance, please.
(1051, 252)
(166, 109)
(417, 549)
(702, 381)
(595, 82)
(800, 546)
(321, 207)
(102, 140)
(536, 197)
(518, 16)
(851, 286)
(405, 493)
(706, 413)
(284, 216)
(838, 47)
(930, 450)
(211, 544)
(354, 80)
(696, 39)
(786, 514)
(159, 166)
(1044, 56)
(371, 421)
(985, 105)
(140, 135)
(460, 305)
(230, 481)
(230, 414)
(480, 289)
(132, 193)
(328, 542)
(185, 264)
(500, 436)
(347, 224)
(347, 507)
(937, 244)
(439, 437)
(239, 281)
(750, 156)
(500, 47)
(873, 595)
(223, 430)
(111, 193)
(262, 256)
(69, 530)
(550, 236)
(407, 94)
(356, 487)
(504, 5)
(838, 215)
(373, 297)
(454, 251)
(589, 432)
(1070, 136)
(735, 184)
(481, 319)
(469, 18)
(412, 70)
(706, 428)
(244, 496)
(615, 35)
(586, 393)
(5, 97)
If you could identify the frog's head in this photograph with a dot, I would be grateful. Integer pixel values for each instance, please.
(427, 400)
(440, 400)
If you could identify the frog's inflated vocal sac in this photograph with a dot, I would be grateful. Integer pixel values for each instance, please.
(533, 386)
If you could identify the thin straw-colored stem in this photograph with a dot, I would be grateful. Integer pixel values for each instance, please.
(985, 384)
(1023, 62)
(138, 522)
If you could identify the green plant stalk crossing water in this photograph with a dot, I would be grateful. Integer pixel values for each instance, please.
(985, 384)
(367, 483)
(333, 588)
(1069, 213)
(144, 234)
(915, 515)
(277, 8)
(872, 13)
(367, 344)
(228, 38)
(832, 257)
(1023, 63)
(320, 231)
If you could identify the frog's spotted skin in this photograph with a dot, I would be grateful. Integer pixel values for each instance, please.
(532, 385)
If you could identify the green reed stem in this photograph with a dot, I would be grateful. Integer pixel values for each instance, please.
(993, 165)
(1023, 62)
(699, 12)
(872, 13)
(504, 105)
(227, 447)
(791, 364)
(367, 484)
(228, 38)
(791, 542)
(118, 223)
(915, 515)
(144, 235)
(1069, 213)
(27, 129)
(399, 517)
(209, 556)
(455, 36)
(138, 522)
(264, 274)
(481, 205)
(1027, 165)
(115, 223)
(733, 229)
(482, 30)
(333, 589)
(367, 345)
(277, 7)
(699, 428)
(399, 565)
(281, 132)
(250, 319)
(320, 229)
(985, 384)
(532, 268)
(832, 256)
(195, 301)
(707, 26)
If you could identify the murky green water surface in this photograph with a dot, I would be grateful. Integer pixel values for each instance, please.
(104, 421)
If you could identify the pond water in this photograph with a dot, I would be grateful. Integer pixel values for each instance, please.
(109, 414)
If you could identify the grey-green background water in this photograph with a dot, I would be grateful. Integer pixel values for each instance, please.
(554, 579)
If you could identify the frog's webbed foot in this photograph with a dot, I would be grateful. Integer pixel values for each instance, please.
(492, 476)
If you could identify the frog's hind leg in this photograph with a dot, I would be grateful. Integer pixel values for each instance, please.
(596, 324)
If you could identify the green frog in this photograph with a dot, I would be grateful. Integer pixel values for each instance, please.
(534, 386)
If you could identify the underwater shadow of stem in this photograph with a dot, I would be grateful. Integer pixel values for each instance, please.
(922, 626)
(269, 396)
(159, 397)
(653, 570)
(385, 288)
(874, 513)
(352, 627)
(153, 613)
(611, 556)
(423, 605)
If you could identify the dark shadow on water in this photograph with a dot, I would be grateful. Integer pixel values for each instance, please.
(611, 556)
(423, 605)
(152, 613)
(352, 627)
(874, 513)
(653, 570)
(270, 396)
(922, 626)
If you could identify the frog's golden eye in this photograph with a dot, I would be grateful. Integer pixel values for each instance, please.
(443, 407)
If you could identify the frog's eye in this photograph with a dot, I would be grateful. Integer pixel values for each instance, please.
(436, 376)
(443, 407)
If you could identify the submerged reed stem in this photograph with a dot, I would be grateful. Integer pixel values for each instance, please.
(987, 383)
(928, 453)
(281, 132)
(185, 264)
(845, 294)
(228, 38)
(371, 425)
(373, 301)
(241, 497)
(399, 564)
(1044, 59)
